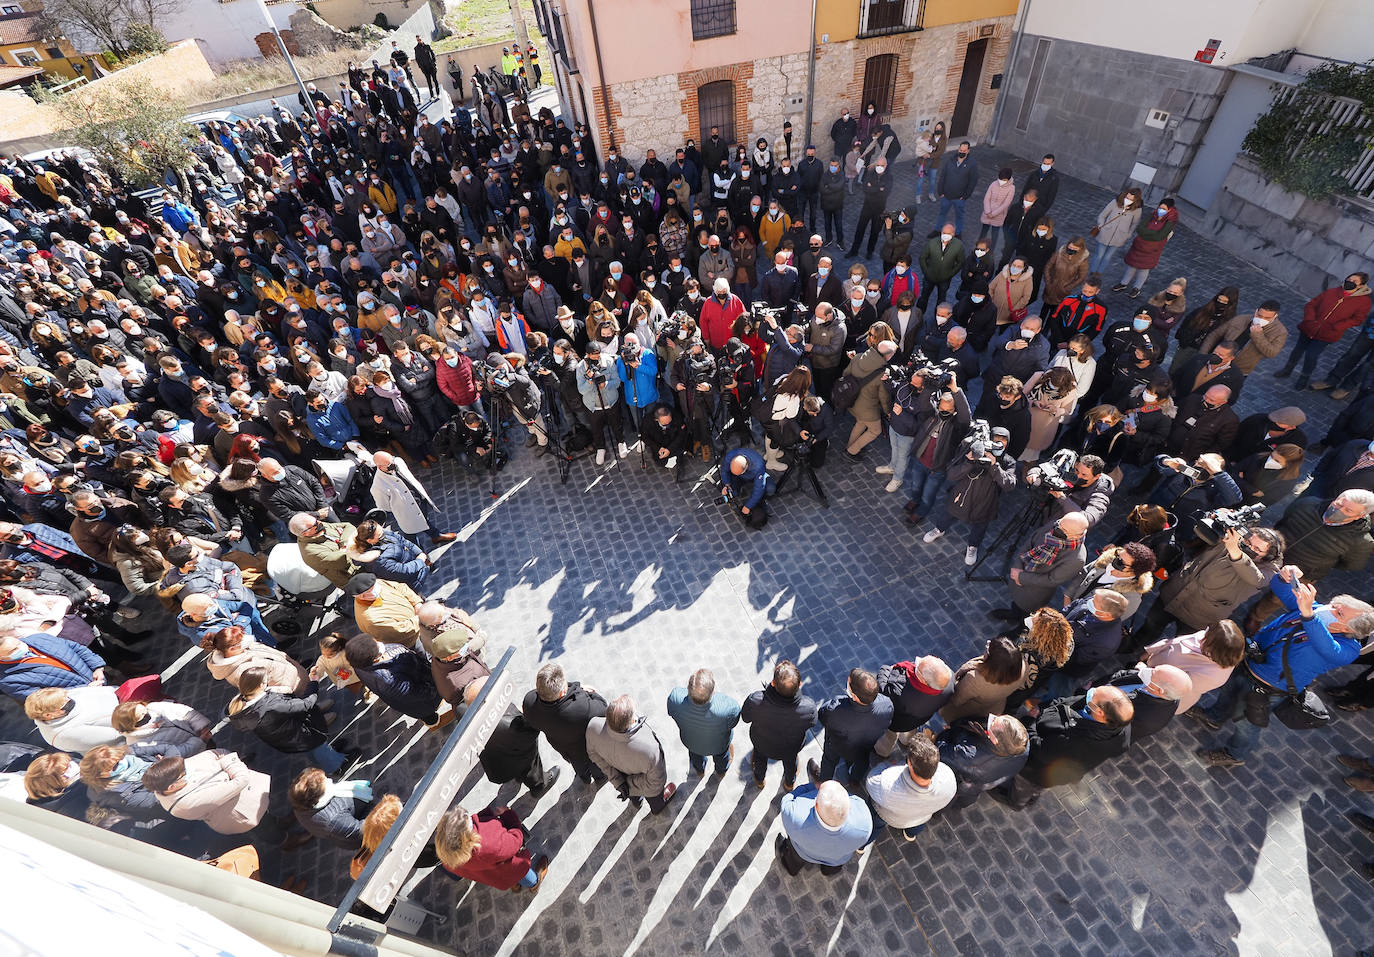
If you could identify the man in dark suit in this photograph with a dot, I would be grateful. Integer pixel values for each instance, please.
(1154, 693)
(1070, 737)
(512, 751)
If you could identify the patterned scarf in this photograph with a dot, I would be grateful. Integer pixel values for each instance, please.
(1042, 556)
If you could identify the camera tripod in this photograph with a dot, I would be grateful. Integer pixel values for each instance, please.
(1032, 515)
(607, 433)
(554, 432)
(798, 461)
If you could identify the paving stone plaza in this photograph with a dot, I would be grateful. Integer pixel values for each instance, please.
(632, 584)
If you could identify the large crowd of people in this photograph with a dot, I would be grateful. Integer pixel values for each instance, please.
(226, 401)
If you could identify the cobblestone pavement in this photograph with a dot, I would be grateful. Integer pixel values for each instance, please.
(632, 583)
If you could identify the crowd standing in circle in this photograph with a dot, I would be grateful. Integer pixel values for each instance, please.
(212, 405)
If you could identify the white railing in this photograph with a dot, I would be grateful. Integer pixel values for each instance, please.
(1322, 113)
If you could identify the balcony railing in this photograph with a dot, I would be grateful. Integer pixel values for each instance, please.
(712, 18)
(880, 18)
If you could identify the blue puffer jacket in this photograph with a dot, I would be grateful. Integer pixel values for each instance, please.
(333, 427)
(396, 559)
(1314, 651)
(18, 678)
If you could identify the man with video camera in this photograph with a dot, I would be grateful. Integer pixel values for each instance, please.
(976, 482)
(1080, 488)
(738, 387)
(504, 381)
(745, 483)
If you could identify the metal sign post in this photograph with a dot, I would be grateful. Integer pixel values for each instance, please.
(393, 861)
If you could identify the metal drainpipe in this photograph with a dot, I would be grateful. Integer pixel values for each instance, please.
(1017, 32)
(811, 75)
(601, 73)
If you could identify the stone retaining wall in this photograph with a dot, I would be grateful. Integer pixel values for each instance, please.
(1307, 243)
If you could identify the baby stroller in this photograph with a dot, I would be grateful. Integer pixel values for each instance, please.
(351, 479)
(303, 594)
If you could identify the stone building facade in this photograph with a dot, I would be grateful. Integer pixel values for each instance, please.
(662, 111)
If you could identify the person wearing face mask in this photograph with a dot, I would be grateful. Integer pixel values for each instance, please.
(976, 313)
(1328, 534)
(1260, 336)
(1147, 246)
(1205, 421)
(42, 660)
(941, 259)
(896, 238)
(1010, 291)
(1301, 642)
(997, 202)
(1115, 226)
(1056, 555)
(955, 184)
(1270, 476)
(1078, 314)
(1326, 317)
(832, 192)
(876, 183)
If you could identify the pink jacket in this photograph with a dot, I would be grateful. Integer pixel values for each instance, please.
(996, 201)
(1185, 653)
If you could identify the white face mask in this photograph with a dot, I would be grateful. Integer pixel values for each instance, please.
(1027, 334)
(1045, 167)
(1272, 463)
(1028, 203)
(1042, 232)
(975, 299)
(1148, 397)
(946, 237)
(980, 253)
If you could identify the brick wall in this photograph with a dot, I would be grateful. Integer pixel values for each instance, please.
(267, 43)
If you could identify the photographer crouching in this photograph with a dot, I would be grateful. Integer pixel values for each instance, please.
(1076, 484)
(745, 483)
(976, 481)
(666, 439)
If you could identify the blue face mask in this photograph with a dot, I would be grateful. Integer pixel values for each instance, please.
(1140, 325)
(1326, 615)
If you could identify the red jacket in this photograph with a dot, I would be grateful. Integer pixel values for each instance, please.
(457, 383)
(717, 321)
(1328, 315)
(501, 860)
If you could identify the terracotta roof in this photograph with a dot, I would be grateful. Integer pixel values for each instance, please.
(10, 75)
(20, 28)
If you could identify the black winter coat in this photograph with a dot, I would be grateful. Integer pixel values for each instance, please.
(285, 722)
(975, 488)
(911, 707)
(511, 749)
(778, 725)
(403, 682)
(1151, 713)
(1317, 548)
(1016, 419)
(564, 722)
(1065, 745)
(298, 491)
(967, 750)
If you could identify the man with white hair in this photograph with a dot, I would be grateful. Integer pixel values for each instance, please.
(1298, 645)
(397, 491)
(917, 689)
(288, 489)
(1326, 535)
(982, 753)
(718, 315)
(1155, 693)
(823, 825)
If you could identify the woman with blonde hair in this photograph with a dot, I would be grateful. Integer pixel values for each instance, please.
(1052, 396)
(488, 848)
(376, 826)
(866, 368)
(1047, 646)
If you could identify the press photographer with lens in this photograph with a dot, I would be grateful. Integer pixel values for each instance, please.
(695, 379)
(599, 384)
(942, 421)
(1212, 585)
(745, 484)
(1190, 492)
